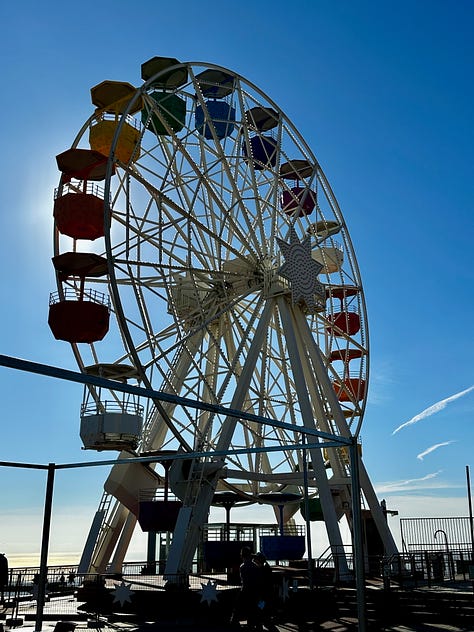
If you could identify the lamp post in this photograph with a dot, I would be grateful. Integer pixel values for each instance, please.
(471, 525)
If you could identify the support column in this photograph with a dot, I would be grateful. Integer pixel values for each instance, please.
(48, 506)
(289, 321)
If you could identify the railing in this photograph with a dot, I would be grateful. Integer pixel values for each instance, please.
(238, 532)
(405, 568)
(81, 187)
(114, 117)
(71, 294)
(86, 597)
(429, 566)
(111, 406)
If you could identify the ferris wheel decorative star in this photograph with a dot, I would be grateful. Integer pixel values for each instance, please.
(208, 592)
(122, 593)
(300, 269)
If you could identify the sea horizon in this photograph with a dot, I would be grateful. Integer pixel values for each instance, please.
(22, 560)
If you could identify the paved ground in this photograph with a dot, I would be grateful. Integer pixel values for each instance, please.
(55, 621)
(336, 625)
(327, 626)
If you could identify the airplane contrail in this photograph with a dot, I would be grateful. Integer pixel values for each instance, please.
(432, 449)
(404, 485)
(431, 410)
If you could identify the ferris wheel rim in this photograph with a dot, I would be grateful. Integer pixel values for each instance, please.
(109, 247)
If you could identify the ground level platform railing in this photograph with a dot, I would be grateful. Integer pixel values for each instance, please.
(73, 596)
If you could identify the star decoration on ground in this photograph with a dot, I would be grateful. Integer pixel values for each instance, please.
(300, 269)
(208, 592)
(122, 593)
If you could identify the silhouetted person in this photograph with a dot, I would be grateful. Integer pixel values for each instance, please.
(3, 575)
(246, 606)
(265, 591)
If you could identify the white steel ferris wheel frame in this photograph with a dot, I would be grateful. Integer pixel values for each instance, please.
(196, 243)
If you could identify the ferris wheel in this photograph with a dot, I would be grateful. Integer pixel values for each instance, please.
(200, 251)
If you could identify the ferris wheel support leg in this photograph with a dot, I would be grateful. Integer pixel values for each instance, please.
(329, 511)
(123, 543)
(376, 511)
(94, 531)
(107, 545)
(192, 517)
(187, 532)
(365, 483)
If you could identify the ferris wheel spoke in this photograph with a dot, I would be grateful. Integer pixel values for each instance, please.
(215, 199)
(165, 202)
(240, 394)
(252, 182)
(252, 430)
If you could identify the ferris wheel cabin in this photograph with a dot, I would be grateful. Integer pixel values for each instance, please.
(261, 149)
(111, 99)
(297, 200)
(77, 314)
(110, 424)
(216, 116)
(167, 112)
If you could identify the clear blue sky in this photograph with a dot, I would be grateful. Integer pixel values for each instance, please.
(383, 94)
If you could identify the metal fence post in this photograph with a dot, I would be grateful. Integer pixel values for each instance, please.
(48, 504)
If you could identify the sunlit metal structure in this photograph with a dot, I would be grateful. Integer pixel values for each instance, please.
(221, 270)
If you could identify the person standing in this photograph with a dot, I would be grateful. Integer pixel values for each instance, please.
(3, 576)
(265, 591)
(246, 606)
